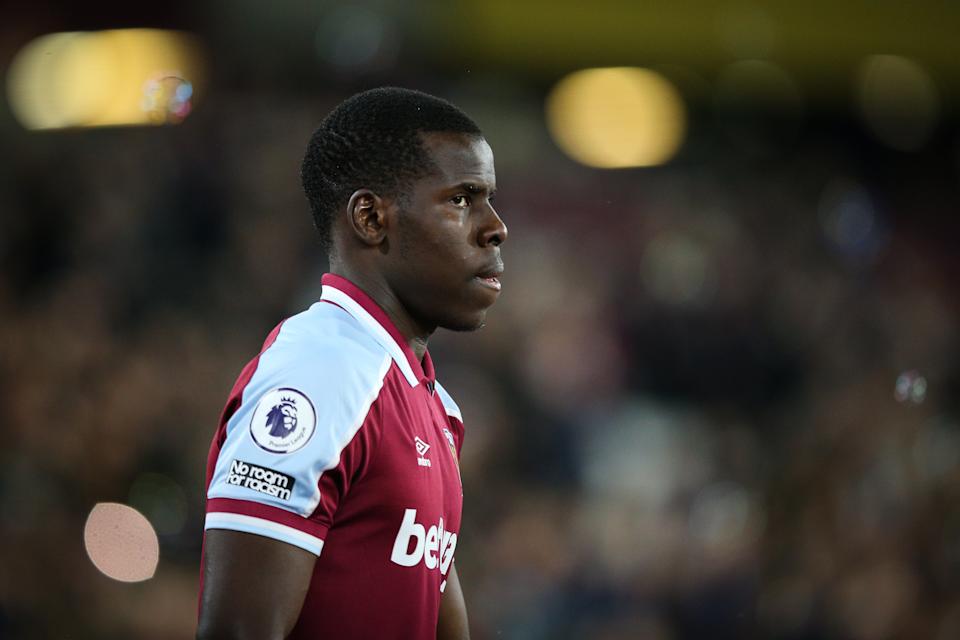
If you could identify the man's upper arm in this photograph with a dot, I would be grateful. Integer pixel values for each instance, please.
(452, 624)
(253, 586)
(290, 452)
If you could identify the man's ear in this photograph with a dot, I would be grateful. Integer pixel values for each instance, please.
(367, 217)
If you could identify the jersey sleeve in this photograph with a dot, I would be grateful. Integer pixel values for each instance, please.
(294, 445)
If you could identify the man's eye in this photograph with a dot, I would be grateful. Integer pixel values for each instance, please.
(460, 200)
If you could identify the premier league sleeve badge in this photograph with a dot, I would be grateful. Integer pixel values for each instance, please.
(283, 421)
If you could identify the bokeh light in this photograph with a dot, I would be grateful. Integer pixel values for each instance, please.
(898, 100)
(104, 78)
(723, 517)
(616, 117)
(121, 543)
(910, 387)
(851, 222)
(167, 100)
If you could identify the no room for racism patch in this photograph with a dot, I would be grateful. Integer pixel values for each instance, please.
(250, 476)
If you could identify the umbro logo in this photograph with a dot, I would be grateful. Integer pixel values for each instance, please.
(422, 448)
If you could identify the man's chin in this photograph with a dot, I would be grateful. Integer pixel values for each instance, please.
(466, 324)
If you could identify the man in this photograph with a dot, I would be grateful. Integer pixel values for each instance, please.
(334, 496)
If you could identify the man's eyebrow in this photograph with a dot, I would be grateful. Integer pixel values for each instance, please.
(473, 187)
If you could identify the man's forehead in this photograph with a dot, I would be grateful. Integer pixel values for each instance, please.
(460, 157)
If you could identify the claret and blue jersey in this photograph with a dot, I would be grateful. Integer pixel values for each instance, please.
(336, 439)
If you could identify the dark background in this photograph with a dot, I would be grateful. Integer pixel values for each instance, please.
(683, 418)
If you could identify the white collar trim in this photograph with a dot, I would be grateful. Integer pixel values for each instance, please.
(351, 306)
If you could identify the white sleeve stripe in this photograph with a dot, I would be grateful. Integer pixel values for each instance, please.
(349, 435)
(266, 528)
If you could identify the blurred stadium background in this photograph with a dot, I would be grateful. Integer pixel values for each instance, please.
(718, 398)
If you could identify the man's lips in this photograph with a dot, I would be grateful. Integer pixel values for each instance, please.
(492, 281)
(491, 277)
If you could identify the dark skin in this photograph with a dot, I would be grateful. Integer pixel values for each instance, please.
(430, 259)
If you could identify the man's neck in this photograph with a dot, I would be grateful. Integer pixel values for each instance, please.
(414, 335)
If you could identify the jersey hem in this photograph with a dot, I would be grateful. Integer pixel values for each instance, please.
(265, 528)
(267, 513)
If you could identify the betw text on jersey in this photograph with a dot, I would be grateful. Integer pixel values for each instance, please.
(434, 546)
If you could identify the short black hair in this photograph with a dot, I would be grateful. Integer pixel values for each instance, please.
(372, 141)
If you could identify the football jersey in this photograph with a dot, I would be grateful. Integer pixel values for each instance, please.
(337, 440)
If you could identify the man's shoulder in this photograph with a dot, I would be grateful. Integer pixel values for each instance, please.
(322, 353)
(323, 338)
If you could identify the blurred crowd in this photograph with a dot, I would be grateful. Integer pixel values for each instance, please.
(717, 399)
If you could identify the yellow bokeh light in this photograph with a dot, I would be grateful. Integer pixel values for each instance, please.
(898, 100)
(616, 117)
(84, 78)
(32, 102)
(103, 78)
(121, 542)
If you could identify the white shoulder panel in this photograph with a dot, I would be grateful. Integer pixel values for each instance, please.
(310, 394)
